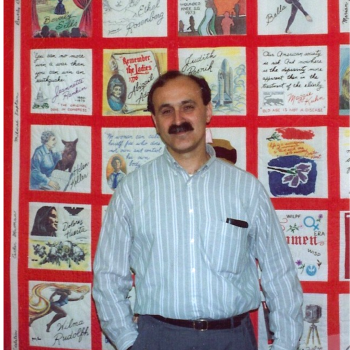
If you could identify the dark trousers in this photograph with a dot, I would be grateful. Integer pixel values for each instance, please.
(157, 335)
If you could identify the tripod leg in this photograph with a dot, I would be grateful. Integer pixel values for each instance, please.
(318, 337)
(308, 336)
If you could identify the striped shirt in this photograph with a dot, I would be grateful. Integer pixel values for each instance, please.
(193, 242)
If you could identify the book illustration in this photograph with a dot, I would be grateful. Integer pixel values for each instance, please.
(211, 17)
(61, 18)
(128, 77)
(134, 18)
(60, 164)
(225, 71)
(61, 81)
(61, 178)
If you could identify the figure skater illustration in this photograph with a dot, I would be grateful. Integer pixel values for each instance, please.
(296, 5)
(40, 306)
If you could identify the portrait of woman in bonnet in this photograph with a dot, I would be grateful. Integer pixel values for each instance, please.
(116, 92)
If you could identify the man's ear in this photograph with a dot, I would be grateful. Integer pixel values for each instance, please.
(209, 107)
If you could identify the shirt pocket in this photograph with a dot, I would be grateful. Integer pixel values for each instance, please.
(226, 247)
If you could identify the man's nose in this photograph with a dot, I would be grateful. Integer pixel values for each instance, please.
(178, 117)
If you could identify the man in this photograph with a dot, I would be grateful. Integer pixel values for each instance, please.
(191, 227)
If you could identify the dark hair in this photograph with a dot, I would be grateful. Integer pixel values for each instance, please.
(40, 227)
(114, 160)
(173, 74)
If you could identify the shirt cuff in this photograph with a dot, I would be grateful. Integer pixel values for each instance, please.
(281, 347)
(126, 340)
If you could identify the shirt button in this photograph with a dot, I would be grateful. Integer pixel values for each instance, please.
(191, 211)
(192, 240)
(193, 270)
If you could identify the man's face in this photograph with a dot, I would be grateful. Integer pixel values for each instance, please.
(180, 115)
(52, 221)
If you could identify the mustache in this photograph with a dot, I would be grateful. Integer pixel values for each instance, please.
(185, 126)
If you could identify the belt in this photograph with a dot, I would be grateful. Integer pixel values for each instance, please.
(204, 324)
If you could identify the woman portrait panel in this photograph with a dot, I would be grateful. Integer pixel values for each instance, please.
(45, 222)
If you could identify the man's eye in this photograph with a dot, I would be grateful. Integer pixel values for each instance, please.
(165, 111)
(188, 108)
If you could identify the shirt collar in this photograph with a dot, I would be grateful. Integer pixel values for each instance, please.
(176, 166)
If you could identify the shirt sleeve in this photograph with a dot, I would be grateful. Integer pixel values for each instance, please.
(112, 276)
(279, 279)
